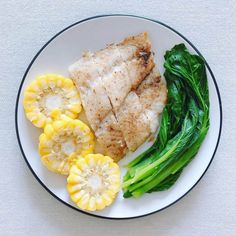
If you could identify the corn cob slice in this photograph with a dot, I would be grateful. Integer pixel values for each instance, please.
(93, 182)
(62, 141)
(49, 96)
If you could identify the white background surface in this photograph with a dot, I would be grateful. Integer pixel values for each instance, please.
(26, 208)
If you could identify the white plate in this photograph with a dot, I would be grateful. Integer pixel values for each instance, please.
(93, 34)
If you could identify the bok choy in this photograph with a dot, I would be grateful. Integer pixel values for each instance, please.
(184, 125)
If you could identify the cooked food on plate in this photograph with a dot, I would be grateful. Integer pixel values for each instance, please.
(125, 101)
(122, 93)
(93, 182)
(49, 96)
(184, 125)
(61, 141)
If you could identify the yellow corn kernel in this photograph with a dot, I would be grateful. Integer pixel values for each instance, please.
(50, 96)
(93, 181)
(62, 142)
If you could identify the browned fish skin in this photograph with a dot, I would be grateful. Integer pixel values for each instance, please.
(153, 97)
(111, 138)
(141, 41)
(142, 61)
(139, 68)
(121, 92)
(133, 122)
(139, 113)
(152, 89)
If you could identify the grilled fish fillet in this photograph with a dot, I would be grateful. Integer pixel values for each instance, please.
(132, 121)
(153, 97)
(93, 95)
(118, 91)
(111, 138)
(139, 114)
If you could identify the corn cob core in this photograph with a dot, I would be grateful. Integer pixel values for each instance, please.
(62, 141)
(93, 182)
(49, 96)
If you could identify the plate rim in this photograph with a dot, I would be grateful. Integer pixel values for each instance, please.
(39, 52)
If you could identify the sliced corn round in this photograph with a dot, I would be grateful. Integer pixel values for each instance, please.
(93, 182)
(62, 141)
(49, 96)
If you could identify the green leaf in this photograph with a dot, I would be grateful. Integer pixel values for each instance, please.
(184, 125)
(166, 183)
(172, 149)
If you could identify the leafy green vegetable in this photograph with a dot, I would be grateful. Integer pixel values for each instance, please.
(166, 183)
(184, 125)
